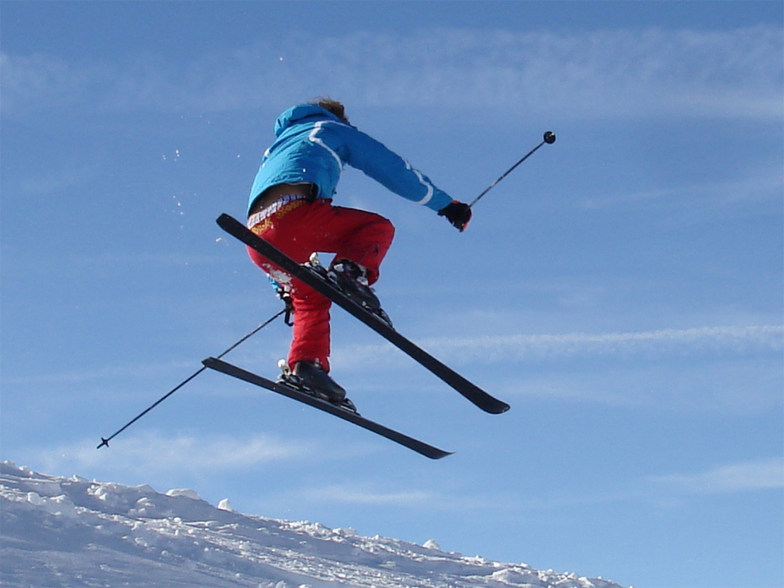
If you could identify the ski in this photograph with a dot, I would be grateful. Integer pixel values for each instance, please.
(469, 390)
(345, 414)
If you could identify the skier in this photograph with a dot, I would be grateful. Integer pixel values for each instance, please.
(290, 206)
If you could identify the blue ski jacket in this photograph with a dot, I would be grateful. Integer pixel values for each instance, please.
(313, 145)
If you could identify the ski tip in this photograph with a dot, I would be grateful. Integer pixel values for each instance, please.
(497, 407)
(441, 454)
(224, 219)
(502, 408)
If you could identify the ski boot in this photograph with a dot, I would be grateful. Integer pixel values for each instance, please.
(351, 279)
(309, 377)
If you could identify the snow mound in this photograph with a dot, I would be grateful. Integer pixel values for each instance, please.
(74, 532)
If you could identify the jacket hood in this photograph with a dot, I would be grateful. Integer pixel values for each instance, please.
(299, 112)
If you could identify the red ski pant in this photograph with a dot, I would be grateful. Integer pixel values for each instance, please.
(301, 228)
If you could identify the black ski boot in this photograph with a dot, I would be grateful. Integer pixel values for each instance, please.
(311, 376)
(352, 280)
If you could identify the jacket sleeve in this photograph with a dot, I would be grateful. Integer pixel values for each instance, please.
(373, 158)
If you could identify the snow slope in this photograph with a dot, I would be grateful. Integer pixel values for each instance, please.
(73, 532)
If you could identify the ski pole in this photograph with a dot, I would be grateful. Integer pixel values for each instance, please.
(549, 138)
(105, 440)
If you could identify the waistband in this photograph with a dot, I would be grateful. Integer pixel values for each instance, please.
(278, 208)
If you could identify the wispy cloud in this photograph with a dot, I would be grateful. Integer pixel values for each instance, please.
(756, 475)
(764, 184)
(441, 499)
(79, 376)
(696, 340)
(610, 73)
(684, 342)
(763, 474)
(359, 495)
(153, 455)
(738, 387)
(669, 490)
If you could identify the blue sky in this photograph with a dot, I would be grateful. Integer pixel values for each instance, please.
(622, 289)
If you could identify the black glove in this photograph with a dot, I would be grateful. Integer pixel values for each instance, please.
(457, 213)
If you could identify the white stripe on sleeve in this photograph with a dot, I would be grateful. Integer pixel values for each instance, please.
(429, 194)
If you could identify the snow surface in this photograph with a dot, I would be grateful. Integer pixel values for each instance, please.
(77, 533)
